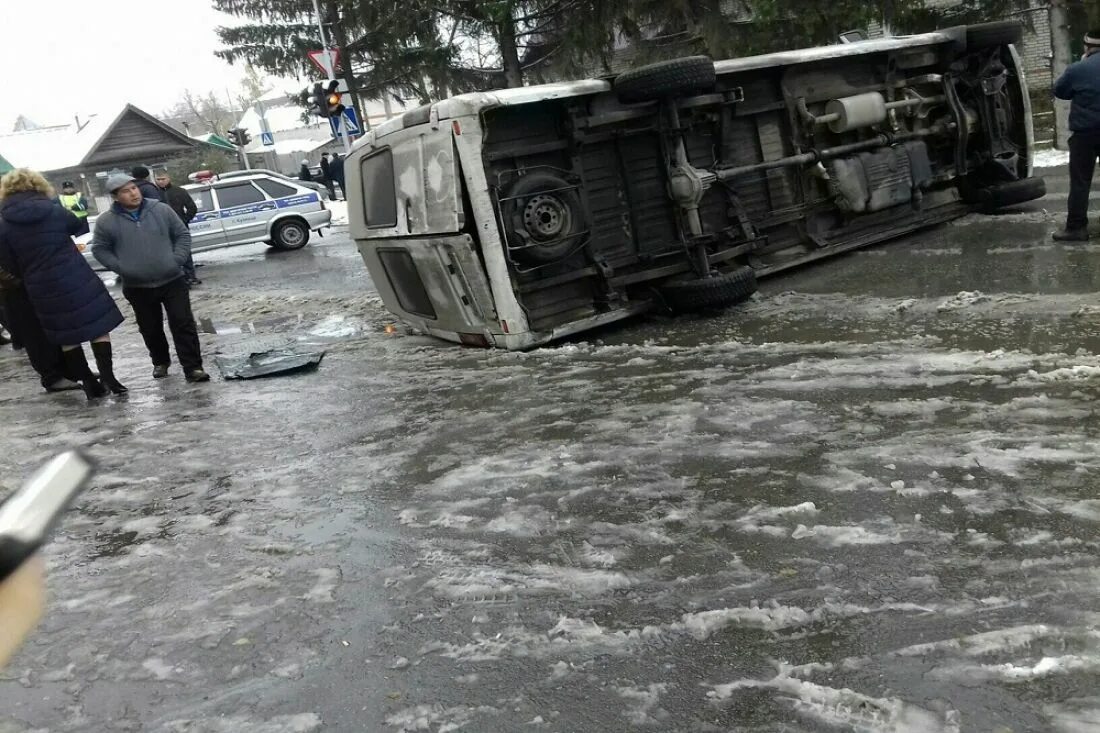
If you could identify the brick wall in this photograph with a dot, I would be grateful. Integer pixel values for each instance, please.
(1035, 48)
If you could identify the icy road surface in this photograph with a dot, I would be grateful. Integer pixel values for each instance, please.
(867, 501)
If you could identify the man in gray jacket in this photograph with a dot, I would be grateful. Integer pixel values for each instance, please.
(147, 245)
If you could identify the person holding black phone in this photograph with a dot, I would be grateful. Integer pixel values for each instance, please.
(27, 518)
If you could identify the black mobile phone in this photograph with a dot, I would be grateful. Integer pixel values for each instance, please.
(28, 516)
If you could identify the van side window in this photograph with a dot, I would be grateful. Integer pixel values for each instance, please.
(274, 189)
(379, 197)
(203, 200)
(238, 195)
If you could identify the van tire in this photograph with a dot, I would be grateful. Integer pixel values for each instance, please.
(289, 235)
(719, 291)
(994, 198)
(544, 217)
(665, 79)
(997, 33)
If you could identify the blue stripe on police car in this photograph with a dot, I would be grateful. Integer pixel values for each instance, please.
(281, 203)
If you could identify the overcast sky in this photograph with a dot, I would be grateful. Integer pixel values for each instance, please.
(66, 57)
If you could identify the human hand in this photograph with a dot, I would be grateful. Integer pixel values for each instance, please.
(22, 599)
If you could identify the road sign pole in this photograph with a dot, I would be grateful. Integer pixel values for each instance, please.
(343, 131)
(321, 30)
(326, 58)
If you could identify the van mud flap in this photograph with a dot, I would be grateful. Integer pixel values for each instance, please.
(437, 284)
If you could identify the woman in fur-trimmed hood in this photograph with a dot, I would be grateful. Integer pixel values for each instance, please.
(71, 302)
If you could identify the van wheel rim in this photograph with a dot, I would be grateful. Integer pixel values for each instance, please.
(546, 217)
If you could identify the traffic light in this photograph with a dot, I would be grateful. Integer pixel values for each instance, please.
(327, 98)
(239, 136)
(333, 99)
(317, 100)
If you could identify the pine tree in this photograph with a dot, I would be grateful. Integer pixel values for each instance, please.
(732, 28)
(429, 49)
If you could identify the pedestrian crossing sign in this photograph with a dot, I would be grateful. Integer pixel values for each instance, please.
(267, 138)
(351, 123)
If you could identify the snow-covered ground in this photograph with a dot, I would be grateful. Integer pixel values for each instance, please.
(1051, 158)
(339, 211)
(863, 501)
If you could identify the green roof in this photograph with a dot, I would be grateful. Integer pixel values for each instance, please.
(218, 141)
(5, 166)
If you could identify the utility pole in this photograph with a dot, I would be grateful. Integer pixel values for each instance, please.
(1061, 44)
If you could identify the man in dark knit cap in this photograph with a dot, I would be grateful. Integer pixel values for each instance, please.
(149, 190)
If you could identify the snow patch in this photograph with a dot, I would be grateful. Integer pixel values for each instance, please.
(300, 723)
(437, 718)
(963, 299)
(324, 590)
(776, 617)
(847, 709)
(1051, 158)
(339, 211)
(335, 327)
(645, 700)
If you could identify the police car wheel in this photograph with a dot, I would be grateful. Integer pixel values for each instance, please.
(290, 235)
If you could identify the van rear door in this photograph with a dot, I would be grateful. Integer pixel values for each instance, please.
(411, 187)
(413, 237)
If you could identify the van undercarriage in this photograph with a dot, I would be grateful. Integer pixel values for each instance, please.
(689, 179)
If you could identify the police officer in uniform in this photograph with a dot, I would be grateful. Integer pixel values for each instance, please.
(74, 201)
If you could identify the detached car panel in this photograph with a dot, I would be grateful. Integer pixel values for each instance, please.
(678, 184)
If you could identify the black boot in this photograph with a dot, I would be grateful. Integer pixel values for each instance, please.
(104, 359)
(76, 364)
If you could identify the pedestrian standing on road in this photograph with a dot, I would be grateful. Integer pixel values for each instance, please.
(303, 172)
(75, 202)
(70, 301)
(148, 189)
(326, 176)
(184, 206)
(1080, 84)
(337, 168)
(147, 245)
(21, 321)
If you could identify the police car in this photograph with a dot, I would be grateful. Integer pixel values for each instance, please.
(251, 208)
(244, 209)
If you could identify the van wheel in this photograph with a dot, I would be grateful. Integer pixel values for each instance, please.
(998, 33)
(720, 291)
(545, 218)
(289, 235)
(991, 199)
(665, 79)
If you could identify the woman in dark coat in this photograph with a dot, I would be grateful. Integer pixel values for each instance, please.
(71, 302)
